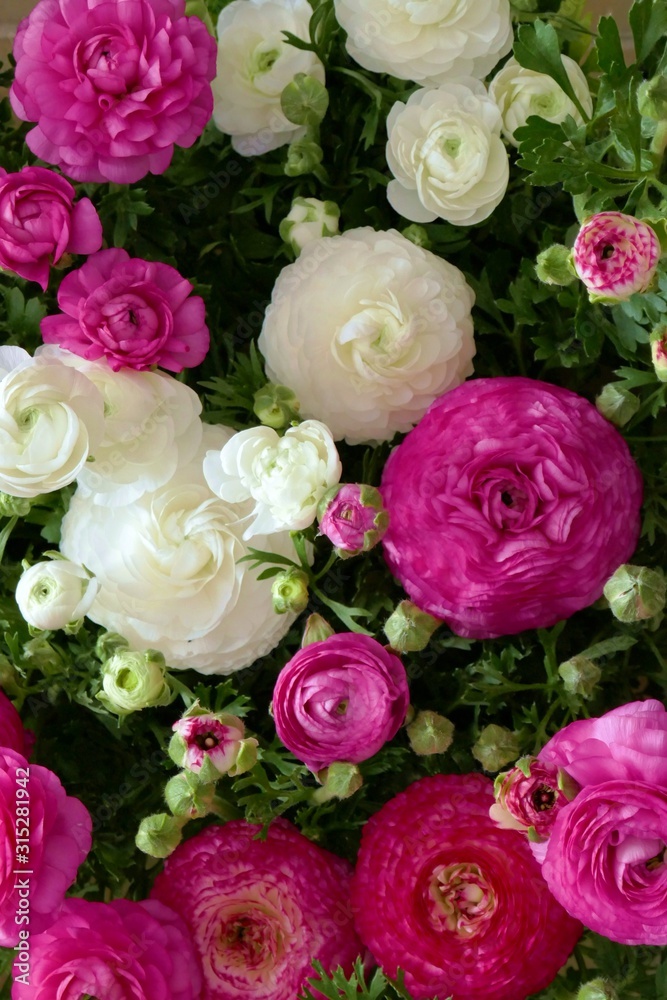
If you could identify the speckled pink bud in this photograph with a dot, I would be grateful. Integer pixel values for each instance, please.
(615, 255)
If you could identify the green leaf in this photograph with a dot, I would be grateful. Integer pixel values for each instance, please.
(610, 50)
(537, 48)
(648, 20)
(609, 646)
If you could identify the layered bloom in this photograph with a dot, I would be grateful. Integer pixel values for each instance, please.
(133, 313)
(210, 744)
(260, 911)
(457, 903)
(370, 361)
(133, 681)
(121, 949)
(40, 222)
(443, 40)
(255, 64)
(309, 219)
(173, 581)
(37, 819)
(615, 255)
(530, 797)
(353, 519)
(340, 699)
(52, 595)
(521, 92)
(510, 505)
(284, 477)
(112, 87)
(446, 155)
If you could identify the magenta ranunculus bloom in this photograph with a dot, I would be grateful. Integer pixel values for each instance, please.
(353, 519)
(113, 85)
(54, 833)
(260, 911)
(533, 800)
(115, 951)
(605, 861)
(12, 733)
(615, 255)
(511, 504)
(459, 904)
(40, 221)
(340, 699)
(132, 312)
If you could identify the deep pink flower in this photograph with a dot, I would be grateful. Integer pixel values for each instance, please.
(340, 699)
(532, 800)
(615, 255)
(353, 519)
(134, 313)
(511, 504)
(115, 951)
(54, 833)
(12, 733)
(459, 904)
(112, 84)
(40, 221)
(209, 741)
(605, 860)
(260, 911)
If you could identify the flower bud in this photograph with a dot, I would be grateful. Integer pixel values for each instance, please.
(108, 644)
(430, 733)
(56, 594)
(652, 98)
(276, 406)
(43, 656)
(289, 591)
(616, 256)
(159, 835)
(635, 593)
(530, 796)
(317, 630)
(580, 675)
(597, 989)
(353, 518)
(617, 405)
(303, 156)
(304, 101)
(554, 266)
(9, 676)
(659, 351)
(132, 681)
(187, 796)
(210, 744)
(339, 781)
(14, 506)
(495, 747)
(408, 629)
(309, 219)
(417, 235)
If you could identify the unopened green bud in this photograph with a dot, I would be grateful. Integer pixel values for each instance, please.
(636, 593)
(108, 644)
(309, 219)
(159, 835)
(659, 351)
(430, 733)
(187, 796)
(305, 100)
(417, 235)
(276, 406)
(597, 989)
(42, 656)
(554, 266)
(14, 506)
(132, 681)
(289, 591)
(317, 630)
(303, 156)
(339, 781)
(580, 675)
(408, 629)
(652, 98)
(617, 405)
(495, 747)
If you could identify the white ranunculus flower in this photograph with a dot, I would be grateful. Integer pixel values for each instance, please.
(368, 329)
(428, 41)
(285, 477)
(520, 93)
(255, 64)
(151, 426)
(51, 419)
(169, 572)
(308, 220)
(132, 681)
(446, 154)
(53, 595)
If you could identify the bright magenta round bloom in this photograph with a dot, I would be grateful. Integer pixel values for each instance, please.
(615, 255)
(113, 85)
(58, 837)
(134, 313)
(605, 860)
(458, 903)
(118, 951)
(40, 221)
(511, 504)
(260, 911)
(340, 699)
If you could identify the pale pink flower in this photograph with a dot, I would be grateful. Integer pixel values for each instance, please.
(615, 255)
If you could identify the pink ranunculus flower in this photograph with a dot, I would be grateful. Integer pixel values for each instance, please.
(12, 733)
(53, 833)
(340, 699)
(511, 504)
(615, 255)
(530, 797)
(353, 518)
(209, 744)
(606, 860)
(132, 312)
(112, 86)
(118, 951)
(40, 222)
(260, 911)
(456, 902)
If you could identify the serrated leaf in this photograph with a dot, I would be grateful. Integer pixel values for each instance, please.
(609, 49)
(648, 21)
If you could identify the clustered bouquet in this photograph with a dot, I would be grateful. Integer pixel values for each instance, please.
(333, 501)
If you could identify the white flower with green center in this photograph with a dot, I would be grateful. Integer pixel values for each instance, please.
(53, 595)
(255, 64)
(308, 220)
(132, 681)
(520, 93)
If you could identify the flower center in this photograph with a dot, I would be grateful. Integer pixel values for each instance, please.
(657, 860)
(462, 900)
(543, 798)
(607, 251)
(206, 741)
